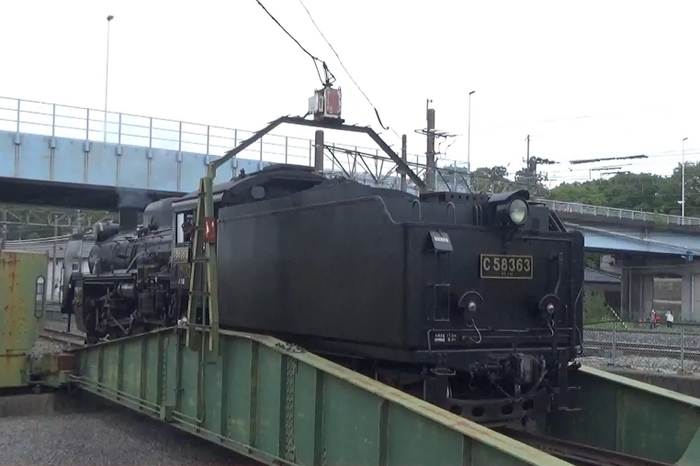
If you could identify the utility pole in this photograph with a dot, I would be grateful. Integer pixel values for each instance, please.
(404, 156)
(3, 230)
(527, 163)
(469, 142)
(527, 160)
(319, 146)
(53, 270)
(109, 20)
(430, 149)
(683, 180)
(431, 134)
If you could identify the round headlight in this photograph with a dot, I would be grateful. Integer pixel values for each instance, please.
(517, 210)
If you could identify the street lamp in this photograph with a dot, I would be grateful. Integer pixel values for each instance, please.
(104, 128)
(683, 180)
(469, 138)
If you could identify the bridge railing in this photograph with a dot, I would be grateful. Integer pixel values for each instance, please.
(624, 214)
(65, 121)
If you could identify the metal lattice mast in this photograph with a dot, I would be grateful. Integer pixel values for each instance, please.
(203, 289)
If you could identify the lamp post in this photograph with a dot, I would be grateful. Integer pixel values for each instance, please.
(104, 128)
(469, 139)
(683, 180)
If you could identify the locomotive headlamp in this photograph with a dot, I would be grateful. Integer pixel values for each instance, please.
(510, 208)
(517, 211)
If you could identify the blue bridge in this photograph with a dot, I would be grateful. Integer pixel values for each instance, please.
(54, 147)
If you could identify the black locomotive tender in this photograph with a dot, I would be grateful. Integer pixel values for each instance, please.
(470, 301)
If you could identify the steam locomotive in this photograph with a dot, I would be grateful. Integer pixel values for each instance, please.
(472, 302)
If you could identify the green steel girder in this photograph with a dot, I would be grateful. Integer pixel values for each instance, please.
(203, 287)
(639, 419)
(278, 404)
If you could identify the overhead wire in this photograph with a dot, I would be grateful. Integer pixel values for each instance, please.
(376, 112)
(638, 167)
(495, 129)
(329, 76)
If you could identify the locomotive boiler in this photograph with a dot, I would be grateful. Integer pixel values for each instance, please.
(472, 302)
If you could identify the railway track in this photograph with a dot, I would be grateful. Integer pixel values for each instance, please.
(58, 336)
(577, 453)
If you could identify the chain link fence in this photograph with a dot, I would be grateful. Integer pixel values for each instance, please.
(643, 346)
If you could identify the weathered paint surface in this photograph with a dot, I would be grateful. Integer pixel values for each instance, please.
(281, 405)
(632, 417)
(21, 316)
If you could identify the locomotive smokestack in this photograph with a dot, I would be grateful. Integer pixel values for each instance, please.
(128, 218)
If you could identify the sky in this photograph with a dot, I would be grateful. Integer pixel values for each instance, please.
(584, 79)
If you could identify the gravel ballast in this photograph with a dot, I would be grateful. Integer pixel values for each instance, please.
(642, 358)
(105, 437)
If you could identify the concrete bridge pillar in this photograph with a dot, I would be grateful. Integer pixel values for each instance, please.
(630, 294)
(690, 296)
(695, 298)
(647, 298)
(626, 286)
(638, 290)
(637, 294)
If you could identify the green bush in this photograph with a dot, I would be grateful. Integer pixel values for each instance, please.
(594, 308)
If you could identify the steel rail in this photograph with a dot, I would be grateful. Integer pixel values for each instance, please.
(578, 453)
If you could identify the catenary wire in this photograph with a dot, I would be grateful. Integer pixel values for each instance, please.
(328, 73)
(376, 112)
(313, 57)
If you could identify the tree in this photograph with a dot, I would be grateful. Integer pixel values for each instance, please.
(644, 191)
(494, 179)
(594, 308)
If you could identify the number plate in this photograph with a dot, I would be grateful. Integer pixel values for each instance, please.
(506, 266)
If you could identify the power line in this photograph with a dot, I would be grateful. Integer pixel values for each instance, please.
(329, 75)
(344, 68)
(620, 114)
